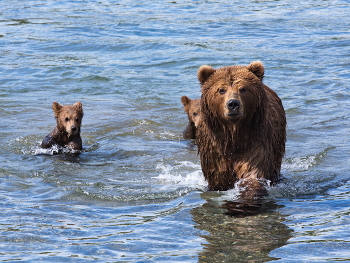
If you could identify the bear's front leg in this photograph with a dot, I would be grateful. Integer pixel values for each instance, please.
(252, 190)
(251, 198)
(48, 142)
(75, 144)
(190, 132)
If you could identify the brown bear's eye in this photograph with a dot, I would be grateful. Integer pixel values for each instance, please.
(66, 119)
(77, 120)
(242, 90)
(222, 91)
(194, 113)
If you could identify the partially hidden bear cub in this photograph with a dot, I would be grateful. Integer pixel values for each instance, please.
(192, 108)
(67, 131)
(242, 133)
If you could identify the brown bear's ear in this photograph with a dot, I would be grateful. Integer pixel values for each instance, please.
(78, 105)
(185, 100)
(204, 72)
(56, 106)
(257, 68)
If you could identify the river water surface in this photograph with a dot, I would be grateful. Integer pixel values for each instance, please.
(137, 193)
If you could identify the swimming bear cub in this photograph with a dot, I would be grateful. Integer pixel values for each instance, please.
(192, 109)
(67, 131)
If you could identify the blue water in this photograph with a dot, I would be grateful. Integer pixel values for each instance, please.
(137, 193)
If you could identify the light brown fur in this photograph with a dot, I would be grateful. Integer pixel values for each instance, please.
(67, 130)
(192, 108)
(242, 132)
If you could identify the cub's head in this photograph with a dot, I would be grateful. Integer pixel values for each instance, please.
(192, 108)
(68, 117)
(231, 93)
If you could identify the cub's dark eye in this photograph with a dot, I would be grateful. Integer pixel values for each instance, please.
(77, 120)
(242, 90)
(222, 91)
(195, 113)
(66, 119)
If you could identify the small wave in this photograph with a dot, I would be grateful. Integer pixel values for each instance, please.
(303, 163)
(80, 194)
(300, 177)
(165, 135)
(26, 146)
(299, 163)
(54, 149)
(30, 149)
(184, 173)
(308, 183)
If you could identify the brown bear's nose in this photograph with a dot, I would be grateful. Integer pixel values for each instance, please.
(233, 104)
(74, 128)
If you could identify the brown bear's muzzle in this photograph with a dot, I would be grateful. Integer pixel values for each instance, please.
(73, 130)
(233, 108)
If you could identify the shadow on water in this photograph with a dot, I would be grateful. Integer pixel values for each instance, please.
(248, 237)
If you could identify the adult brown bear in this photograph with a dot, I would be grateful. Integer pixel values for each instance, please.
(242, 133)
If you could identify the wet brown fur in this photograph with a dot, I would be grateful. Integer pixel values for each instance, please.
(249, 144)
(192, 108)
(67, 130)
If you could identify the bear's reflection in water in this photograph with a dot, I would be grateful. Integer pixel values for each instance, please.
(239, 237)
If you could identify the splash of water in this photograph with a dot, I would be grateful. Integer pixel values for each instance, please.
(184, 173)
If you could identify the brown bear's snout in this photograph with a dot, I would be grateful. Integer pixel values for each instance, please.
(73, 129)
(233, 107)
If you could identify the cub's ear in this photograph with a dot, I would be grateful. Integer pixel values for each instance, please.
(78, 105)
(185, 100)
(257, 68)
(204, 72)
(56, 107)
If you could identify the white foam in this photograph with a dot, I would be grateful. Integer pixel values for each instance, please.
(167, 134)
(231, 194)
(50, 151)
(54, 149)
(184, 173)
(300, 163)
(303, 163)
(234, 193)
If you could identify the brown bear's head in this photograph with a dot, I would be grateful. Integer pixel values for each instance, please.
(231, 93)
(68, 117)
(192, 108)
